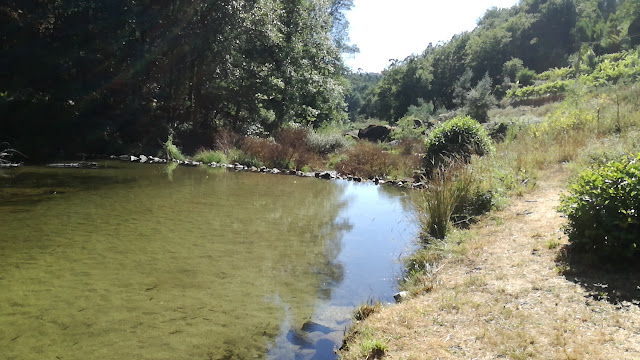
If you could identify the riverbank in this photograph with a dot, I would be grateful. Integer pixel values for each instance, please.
(507, 287)
(506, 293)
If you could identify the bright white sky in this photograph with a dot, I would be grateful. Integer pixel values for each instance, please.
(395, 29)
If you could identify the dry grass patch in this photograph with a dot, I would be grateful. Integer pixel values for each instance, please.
(500, 299)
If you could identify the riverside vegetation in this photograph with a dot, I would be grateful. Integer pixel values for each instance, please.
(592, 137)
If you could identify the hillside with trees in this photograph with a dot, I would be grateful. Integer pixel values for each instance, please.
(504, 52)
(113, 77)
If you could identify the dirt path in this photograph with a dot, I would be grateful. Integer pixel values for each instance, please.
(507, 297)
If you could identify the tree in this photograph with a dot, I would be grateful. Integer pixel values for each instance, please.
(116, 80)
(511, 68)
(480, 100)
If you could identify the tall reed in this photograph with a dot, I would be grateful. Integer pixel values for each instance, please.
(450, 187)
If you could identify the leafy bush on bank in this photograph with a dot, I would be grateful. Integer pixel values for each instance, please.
(603, 208)
(408, 128)
(459, 137)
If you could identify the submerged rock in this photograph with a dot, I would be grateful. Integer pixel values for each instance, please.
(10, 165)
(78, 165)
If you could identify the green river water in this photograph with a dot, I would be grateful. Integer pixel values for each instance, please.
(134, 261)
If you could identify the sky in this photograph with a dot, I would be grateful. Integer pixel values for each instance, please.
(395, 29)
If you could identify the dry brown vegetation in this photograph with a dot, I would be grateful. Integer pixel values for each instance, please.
(369, 160)
(287, 150)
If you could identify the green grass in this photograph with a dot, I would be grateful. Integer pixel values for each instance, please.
(210, 156)
(373, 349)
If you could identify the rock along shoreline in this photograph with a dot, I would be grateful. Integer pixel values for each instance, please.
(408, 183)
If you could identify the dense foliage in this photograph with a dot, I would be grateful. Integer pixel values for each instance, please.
(460, 137)
(107, 76)
(609, 69)
(603, 209)
(510, 46)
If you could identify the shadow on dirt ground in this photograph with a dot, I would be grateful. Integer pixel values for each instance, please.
(618, 286)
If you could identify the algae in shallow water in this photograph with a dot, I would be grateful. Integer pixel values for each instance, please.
(203, 265)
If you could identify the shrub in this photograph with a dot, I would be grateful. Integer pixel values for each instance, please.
(367, 160)
(225, 140)
(459, 137)
(172, 151)
(449, 195)
(288, 149)
(511, 68)
(240, 157)
(410, 147)
(270, 153)
(423, 111)
(479, 100)
(603, 208)
(209, 156)
(370, 160)
(326, 143)
(525, 77)
(409, 127)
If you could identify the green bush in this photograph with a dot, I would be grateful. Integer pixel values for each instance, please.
(325, 142)
(409, 127)
(525, 77)
(511, 68)
(210, 156)
(172, 151)
(459, 137)
(602, 208)
(480, 100)
(243, 158)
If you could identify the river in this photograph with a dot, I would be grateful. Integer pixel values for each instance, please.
(134, 261)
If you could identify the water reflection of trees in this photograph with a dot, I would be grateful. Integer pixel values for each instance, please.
(288, 237)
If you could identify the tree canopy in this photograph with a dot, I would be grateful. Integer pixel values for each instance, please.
(115, 75)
